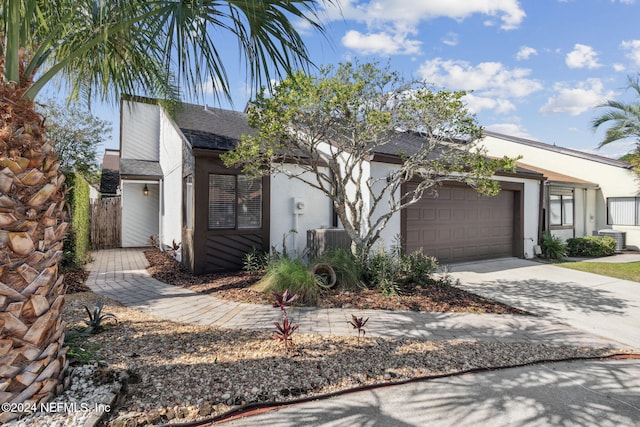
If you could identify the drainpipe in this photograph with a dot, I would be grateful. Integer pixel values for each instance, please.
(541, 219)
(160, 212)
(584, 211)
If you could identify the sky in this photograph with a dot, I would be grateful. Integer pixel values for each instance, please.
(536, 68)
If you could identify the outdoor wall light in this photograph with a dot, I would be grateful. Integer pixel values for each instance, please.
(145, 190)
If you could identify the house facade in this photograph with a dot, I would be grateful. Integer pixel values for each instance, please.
(584, 194)
(175, 187)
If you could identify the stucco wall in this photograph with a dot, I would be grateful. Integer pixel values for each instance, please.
(390, 235)
(531, 212)
(140, 131)
(317, 211)
(170, 152)
(614, 181)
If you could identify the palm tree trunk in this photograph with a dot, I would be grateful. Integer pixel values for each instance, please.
(32, 225)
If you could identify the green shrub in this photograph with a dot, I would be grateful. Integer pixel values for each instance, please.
(255, 261)
(348, 271)
(553, 247)
(77, 242)
(382, 271)
(392, 272)
(418, 267)
(292, 275)
(594, 246)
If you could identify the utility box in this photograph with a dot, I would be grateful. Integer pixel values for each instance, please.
(619, 236)
(321, 239)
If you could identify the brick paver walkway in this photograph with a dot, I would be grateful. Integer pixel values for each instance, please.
(120, 274)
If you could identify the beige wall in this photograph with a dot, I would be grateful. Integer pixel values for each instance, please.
(614, 181)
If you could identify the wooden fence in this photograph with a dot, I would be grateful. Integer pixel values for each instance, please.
(105, 223)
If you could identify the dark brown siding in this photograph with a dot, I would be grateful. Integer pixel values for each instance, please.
(460, 225)
(222, 250)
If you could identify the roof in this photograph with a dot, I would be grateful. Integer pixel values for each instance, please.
(561, 150)
(212, 128)
(559, 178)
(140, 168)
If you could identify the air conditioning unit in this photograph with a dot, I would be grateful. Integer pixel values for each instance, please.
(619, 236)
(321, 239)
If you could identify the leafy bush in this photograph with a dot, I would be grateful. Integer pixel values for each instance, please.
(392, 272)
(255, 261)
(591, 246)
(553, 247)
(418, 267)
(77, 242)
(348, 271)
(288, 274)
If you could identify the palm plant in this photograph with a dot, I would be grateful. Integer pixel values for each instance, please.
(624, 118)
(102, 48)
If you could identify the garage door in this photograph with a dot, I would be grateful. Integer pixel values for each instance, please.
(460, 225)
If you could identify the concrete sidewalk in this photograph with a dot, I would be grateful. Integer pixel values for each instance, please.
(120, 274)
(587, 393)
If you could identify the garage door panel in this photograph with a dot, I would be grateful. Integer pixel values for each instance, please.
(459, 225)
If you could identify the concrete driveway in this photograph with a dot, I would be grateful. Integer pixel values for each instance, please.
(600, 305)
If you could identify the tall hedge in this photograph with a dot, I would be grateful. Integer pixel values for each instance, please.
(78, 240)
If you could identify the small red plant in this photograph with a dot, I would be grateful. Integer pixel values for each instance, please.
(358, 323)
(284, 332)
(284, 299)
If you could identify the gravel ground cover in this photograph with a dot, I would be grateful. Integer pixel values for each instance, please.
(174, 372)
(169, 372)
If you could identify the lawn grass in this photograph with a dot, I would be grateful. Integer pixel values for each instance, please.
(625, 271)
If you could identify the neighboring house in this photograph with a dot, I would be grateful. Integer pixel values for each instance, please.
(584, 193)
(174, 186)
(110, 176)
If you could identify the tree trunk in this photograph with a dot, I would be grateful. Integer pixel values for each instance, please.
(32, 225)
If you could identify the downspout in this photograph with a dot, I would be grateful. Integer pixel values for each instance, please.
(161, 212)
(541, 211)
(585, 203)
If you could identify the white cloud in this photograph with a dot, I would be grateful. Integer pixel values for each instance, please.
(633, 50)
(625, 1)
(511, 129)
(451, 39)
(384, 43)
(410, 13)
(393, 20)
(475, 104)
(525, 52)
(486, 78)
(576, 100)
(582, 56)
(211, 87)
(619, 67)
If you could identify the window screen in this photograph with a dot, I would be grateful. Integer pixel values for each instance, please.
(560, 206)
(249, 202)
(222, 201)
(235, 202)
(622, 210)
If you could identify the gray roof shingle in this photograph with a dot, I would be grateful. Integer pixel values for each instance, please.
(140, 168)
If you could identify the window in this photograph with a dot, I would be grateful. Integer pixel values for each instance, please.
(561, 207)
(623, 211)
(235, 202)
